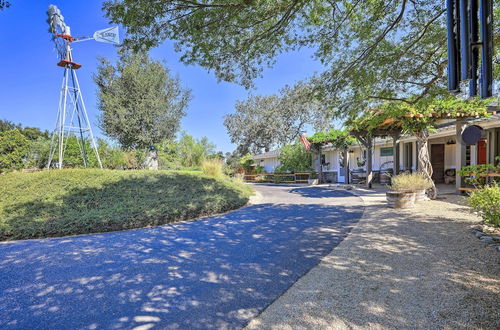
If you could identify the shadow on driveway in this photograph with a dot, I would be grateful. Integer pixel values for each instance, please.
(216, 272)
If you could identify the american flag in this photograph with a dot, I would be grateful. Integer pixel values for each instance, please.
(305, 141)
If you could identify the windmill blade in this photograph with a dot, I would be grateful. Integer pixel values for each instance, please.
(56, 21)
(57, 26)
(109, 35)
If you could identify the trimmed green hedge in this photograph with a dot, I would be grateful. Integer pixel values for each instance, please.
(77, 201)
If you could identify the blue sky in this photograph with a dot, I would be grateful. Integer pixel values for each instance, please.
(30, 80)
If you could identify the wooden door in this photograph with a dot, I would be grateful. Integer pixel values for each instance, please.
(437, 162)
(481, 152)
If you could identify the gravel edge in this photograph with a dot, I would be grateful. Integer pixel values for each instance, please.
(417, 268)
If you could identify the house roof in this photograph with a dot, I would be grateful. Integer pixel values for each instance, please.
(269, 154)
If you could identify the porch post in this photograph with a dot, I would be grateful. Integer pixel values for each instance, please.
(491, 145)
(459, 151)
(348, 181)
(488, 146)
(395, 153)
(416, 155)
(320, 162)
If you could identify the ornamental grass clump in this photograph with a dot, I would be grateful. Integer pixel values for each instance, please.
(487, 202)
(410, 182)
(213, 168)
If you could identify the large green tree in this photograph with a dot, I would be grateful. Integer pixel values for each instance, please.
(372, 50)
(141, 103)
(294, 158)
(271, 121)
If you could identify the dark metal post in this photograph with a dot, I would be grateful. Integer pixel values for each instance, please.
(486, 18)
(474, 40)
(464, 39)
(453, 56)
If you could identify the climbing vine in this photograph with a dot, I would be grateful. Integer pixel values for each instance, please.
(419, 120)
(339, 139)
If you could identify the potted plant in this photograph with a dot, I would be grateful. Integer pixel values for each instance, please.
(313, 178)
(407, 189)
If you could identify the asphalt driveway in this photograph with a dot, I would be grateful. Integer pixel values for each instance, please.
(217, 272)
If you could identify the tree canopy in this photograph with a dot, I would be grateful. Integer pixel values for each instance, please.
(372, 50)
(262, 123)
(141, 103)
(4, 4)
(31, 133)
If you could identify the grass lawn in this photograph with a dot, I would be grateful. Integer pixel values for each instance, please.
(68, 202)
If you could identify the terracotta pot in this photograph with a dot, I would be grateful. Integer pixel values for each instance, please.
(400, 199)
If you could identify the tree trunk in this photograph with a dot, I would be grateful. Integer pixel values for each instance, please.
(367, 142)
(395, 153)
(369, 162)
(424, 161)
(151, 161)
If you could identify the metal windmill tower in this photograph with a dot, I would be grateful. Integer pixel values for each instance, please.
(72, 117)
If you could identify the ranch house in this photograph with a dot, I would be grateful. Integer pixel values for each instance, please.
(448, 153)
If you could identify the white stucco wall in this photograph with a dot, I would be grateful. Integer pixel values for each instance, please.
(380, 160)
(270, 164)
(449, 156)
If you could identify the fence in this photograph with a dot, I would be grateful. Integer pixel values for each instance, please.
(280, 178)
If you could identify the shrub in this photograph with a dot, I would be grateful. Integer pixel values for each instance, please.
(38, 153)
(238, 178)
(213, 167)
(476, 174)
(259, 170)
(13, 149)
(114, 159)
(246, 162)
(294, 158)
(487, 202)
(78, 201)
(410, 181)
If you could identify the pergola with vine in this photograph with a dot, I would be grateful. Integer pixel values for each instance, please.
(396, 118)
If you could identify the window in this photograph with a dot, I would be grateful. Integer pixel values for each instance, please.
(384, 152)
(323, 159)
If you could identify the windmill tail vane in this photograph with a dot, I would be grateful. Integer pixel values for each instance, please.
(72, 123)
